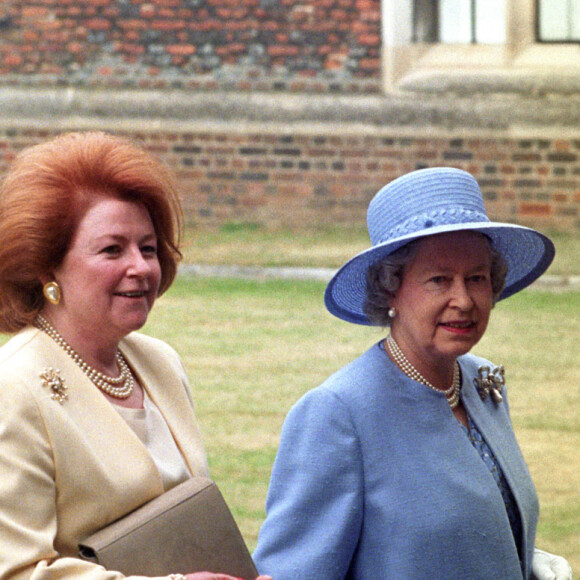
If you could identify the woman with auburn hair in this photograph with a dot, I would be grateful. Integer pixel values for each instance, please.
(48, 189)
(96, 418)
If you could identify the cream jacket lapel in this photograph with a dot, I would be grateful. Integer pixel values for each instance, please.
(69, 468)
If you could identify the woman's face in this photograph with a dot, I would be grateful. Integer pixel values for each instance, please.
(445, 299)
(110, 275)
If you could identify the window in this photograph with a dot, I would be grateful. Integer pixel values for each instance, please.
(432, 44)
(459, 21)
(558, 20)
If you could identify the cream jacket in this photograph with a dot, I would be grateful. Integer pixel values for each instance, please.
(69, 468)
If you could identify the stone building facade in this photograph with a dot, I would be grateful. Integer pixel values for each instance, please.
(289, 112)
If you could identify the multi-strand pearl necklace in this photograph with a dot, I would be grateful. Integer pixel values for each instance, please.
(118, 387)
(451, 394)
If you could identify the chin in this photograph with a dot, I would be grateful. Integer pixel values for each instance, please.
(134, 323)
(459, 348)
(465, 348)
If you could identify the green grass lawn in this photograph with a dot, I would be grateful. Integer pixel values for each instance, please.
(254, 245)
(253, 348)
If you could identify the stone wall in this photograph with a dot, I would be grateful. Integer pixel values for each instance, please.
(308, 160)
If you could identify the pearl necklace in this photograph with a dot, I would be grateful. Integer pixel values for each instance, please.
(451, 394)
(118, 387)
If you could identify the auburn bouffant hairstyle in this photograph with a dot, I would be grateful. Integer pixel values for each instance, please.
(47, 191)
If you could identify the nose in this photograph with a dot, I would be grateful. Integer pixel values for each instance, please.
(460, 296)
(138, 265)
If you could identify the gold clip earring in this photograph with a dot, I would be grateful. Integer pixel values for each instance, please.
(52, 293)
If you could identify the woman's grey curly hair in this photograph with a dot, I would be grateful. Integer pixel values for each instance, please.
(384, 279)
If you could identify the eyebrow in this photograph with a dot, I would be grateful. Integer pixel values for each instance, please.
(115, 236)
(436, 268)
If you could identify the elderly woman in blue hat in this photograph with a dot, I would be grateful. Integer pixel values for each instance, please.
(404, 464)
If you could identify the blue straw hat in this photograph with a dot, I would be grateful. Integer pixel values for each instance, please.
(427, 202)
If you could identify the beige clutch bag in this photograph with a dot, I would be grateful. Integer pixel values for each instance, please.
(187, 529)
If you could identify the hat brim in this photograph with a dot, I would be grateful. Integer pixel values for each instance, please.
(528, 254)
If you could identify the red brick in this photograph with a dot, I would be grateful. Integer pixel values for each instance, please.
(98, 24)
(369, 63)
(132, 36)
(181, 49)
(111, 12)
(167, 25)
(147, 10)
(238, 25)
(30, 36)
(369, 39)
(371, 16)
(339, 15)
(168, 3)
(534, 209)
(132, 24)
(363, 5)
(133, 49)
(286, 50)
(166, 13)
(232, 48)
(34, 12)
(75, 47)
(335, 61)
(12, 60)
(204, 25)
(269, 26)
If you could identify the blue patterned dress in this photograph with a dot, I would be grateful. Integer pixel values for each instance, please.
(491, 463)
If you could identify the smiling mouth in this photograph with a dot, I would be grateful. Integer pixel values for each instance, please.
(135, 294)
(458, 325)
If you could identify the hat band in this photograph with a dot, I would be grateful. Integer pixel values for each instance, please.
(432, 219)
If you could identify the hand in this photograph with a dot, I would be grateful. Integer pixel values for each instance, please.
(213, 576)
(208, 576)
(546, 566)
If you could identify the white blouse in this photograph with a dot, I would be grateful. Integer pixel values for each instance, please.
(151, 428)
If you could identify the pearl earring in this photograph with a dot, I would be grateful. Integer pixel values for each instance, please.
(52, 293)
(392, 312)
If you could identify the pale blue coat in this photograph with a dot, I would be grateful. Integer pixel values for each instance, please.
(375, 480)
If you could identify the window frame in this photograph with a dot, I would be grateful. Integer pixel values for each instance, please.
(539, 40)
(405, 62)
(423, 10)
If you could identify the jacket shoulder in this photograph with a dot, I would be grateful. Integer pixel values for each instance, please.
(355, 385)
(18, 344)
(150, 346)
(364, 372)
(471, 363)
(24, 355)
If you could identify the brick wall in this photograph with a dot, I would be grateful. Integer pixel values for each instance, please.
(192, 79)
(307, 177)
(291, 45)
